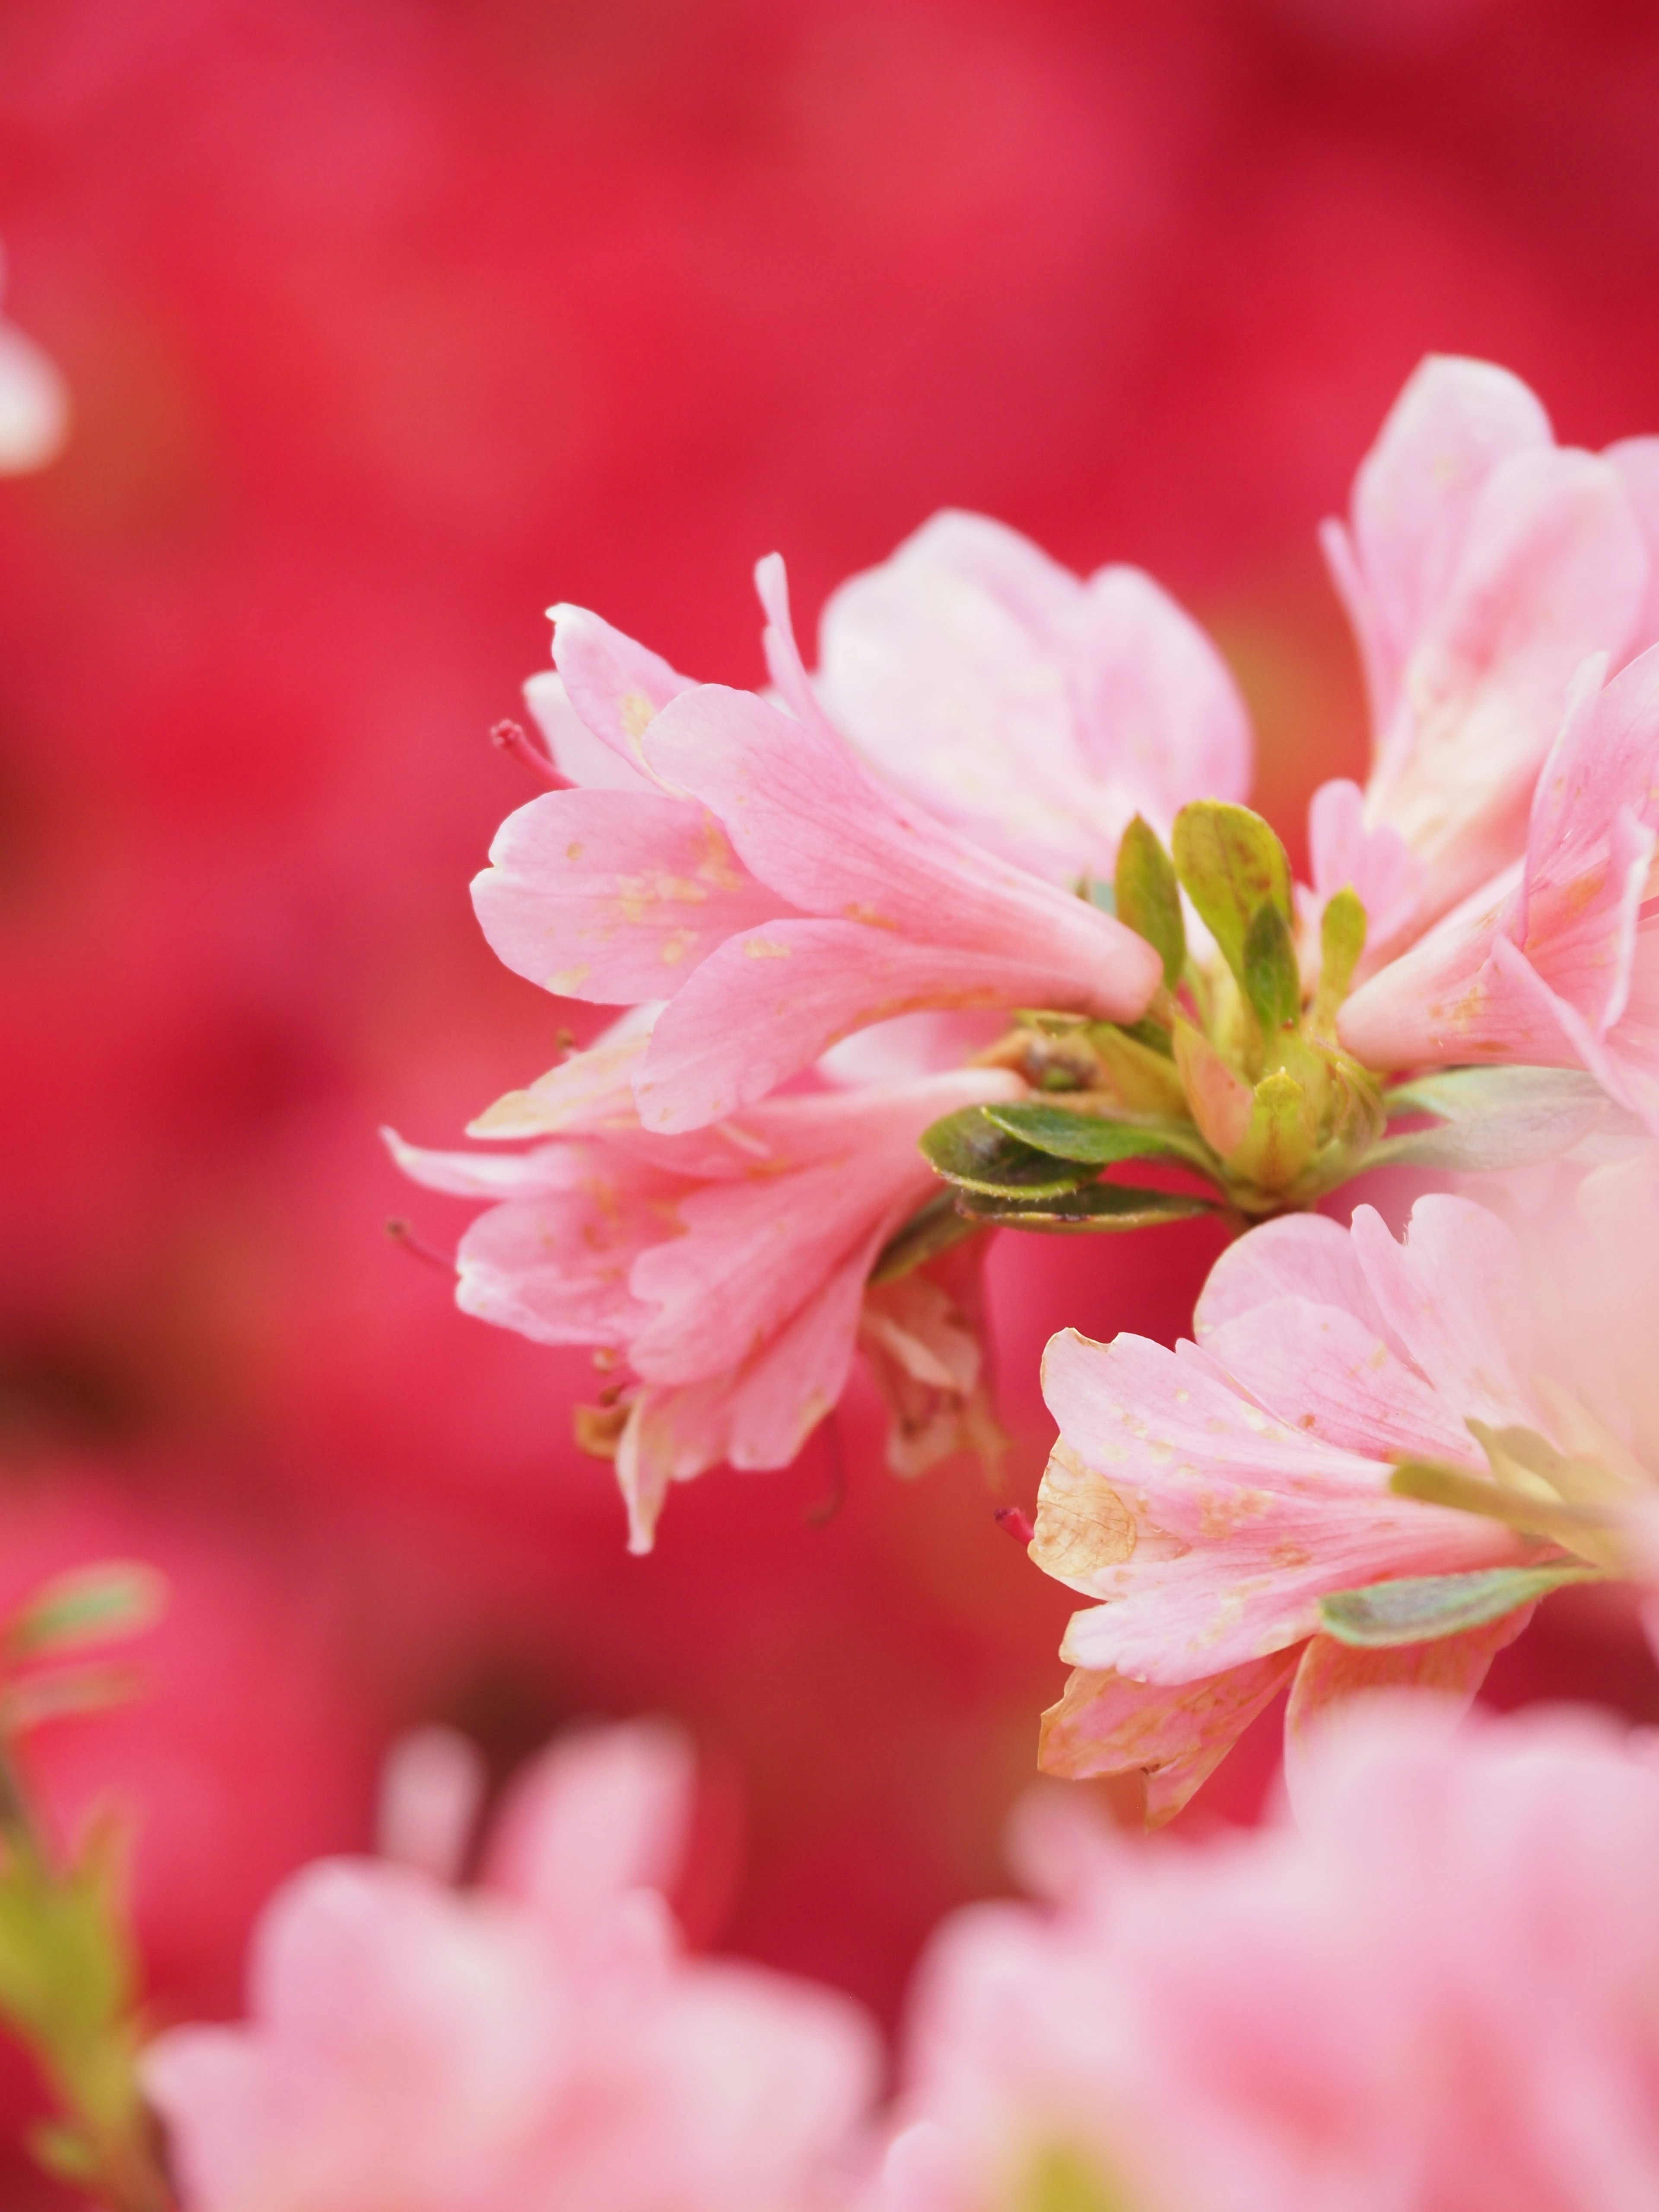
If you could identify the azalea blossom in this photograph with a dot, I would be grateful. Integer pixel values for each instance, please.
(729, 1267)
(1356, 1412)
(741, 863)
(1481, 565)
(1434, 1990)
(1556, 963)
(35, 405)
(535, 2042)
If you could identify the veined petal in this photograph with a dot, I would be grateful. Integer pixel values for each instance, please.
(1299, 1256)
(614, 896)
(1176, 1735)
(555, 1268)
(587, 761)
(769, 1002)
(808, 820)
(616, 685)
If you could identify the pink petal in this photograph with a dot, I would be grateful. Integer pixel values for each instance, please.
(1637, 460)
(601, 1811)
(593, 1090)
(556, 1268)
(586, 760)
(1454, 1298)
(1451, 1667)
(1159, 714)
(1299, 1256)
(1379, 866)
(808, 820)
(1105, 1725)
(1324, 1371)
(769, 1002)
(611, 895)
(1415, 494)
(615, 685)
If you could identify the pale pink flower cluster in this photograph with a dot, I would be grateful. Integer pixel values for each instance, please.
(759, 882)
(534, 2043)
(1434, 1992)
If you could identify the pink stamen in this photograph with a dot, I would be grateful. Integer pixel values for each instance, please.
(517, 743)
(1017, 1523)
(400, 1233)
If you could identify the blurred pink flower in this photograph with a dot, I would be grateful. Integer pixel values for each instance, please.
(728, 1266)
(1434, 1990)
(1214, 1495)
(1481, 564)
(739, 862)
(534, 2043)
(34, 401)
(1557, 963)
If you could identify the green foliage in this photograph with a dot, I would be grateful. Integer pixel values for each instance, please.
(967, 1149)
(1421, 1609)
(1232, 865)
(934, 1229)
(1148, 896)
(1098, 1139)
(1341, 940)
(89, 1605)
(1101, 1208)
(1271, 979)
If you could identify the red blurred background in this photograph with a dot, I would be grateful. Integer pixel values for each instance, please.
(388, 324)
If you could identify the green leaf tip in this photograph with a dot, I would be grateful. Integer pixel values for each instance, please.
(967, 1149)
(1231, 865)
(1148, 898)
(1271, 979)
(89, 1605)
(1422, 1608)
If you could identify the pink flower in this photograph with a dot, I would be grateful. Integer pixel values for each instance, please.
(1355, 1412)
(1434, 1991)
(1481, 564)
(728, 1266)
(1035, 712)
(746, 868)
(34, 401)
(532, 2044)
(1557, 963)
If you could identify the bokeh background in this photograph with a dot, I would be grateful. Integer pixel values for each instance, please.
(389, 321)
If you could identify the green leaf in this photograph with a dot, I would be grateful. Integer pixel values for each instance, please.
(64, 2152)
(1341, 940)
(89, 1605)
(923, 1238)
(1149, 897)
(1231, 865)
(1272, 981)
(967, 1149)
(1098, 1141)
(1100, 1209)
(1421, 1609)
(1498, 1117)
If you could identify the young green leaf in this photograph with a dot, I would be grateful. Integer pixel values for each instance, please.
(934, 1229)
(1271, 979)
(1231, 865)
(88, 1605)
(967, 1149)
(1421, 1609)
(1103, 1207)
(1096, 1140)
(1341, 940)
(1149, 896)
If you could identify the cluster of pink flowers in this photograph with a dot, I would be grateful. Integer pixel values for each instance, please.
(1432, 1991)
(937, 939)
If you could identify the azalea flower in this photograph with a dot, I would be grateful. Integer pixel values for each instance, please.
(35, 405)
(533, 2043)
(1373, 1462)
(1434, 1990)
(741, 863)
(1557, 962)
(729, 1267)
(1481, 564)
